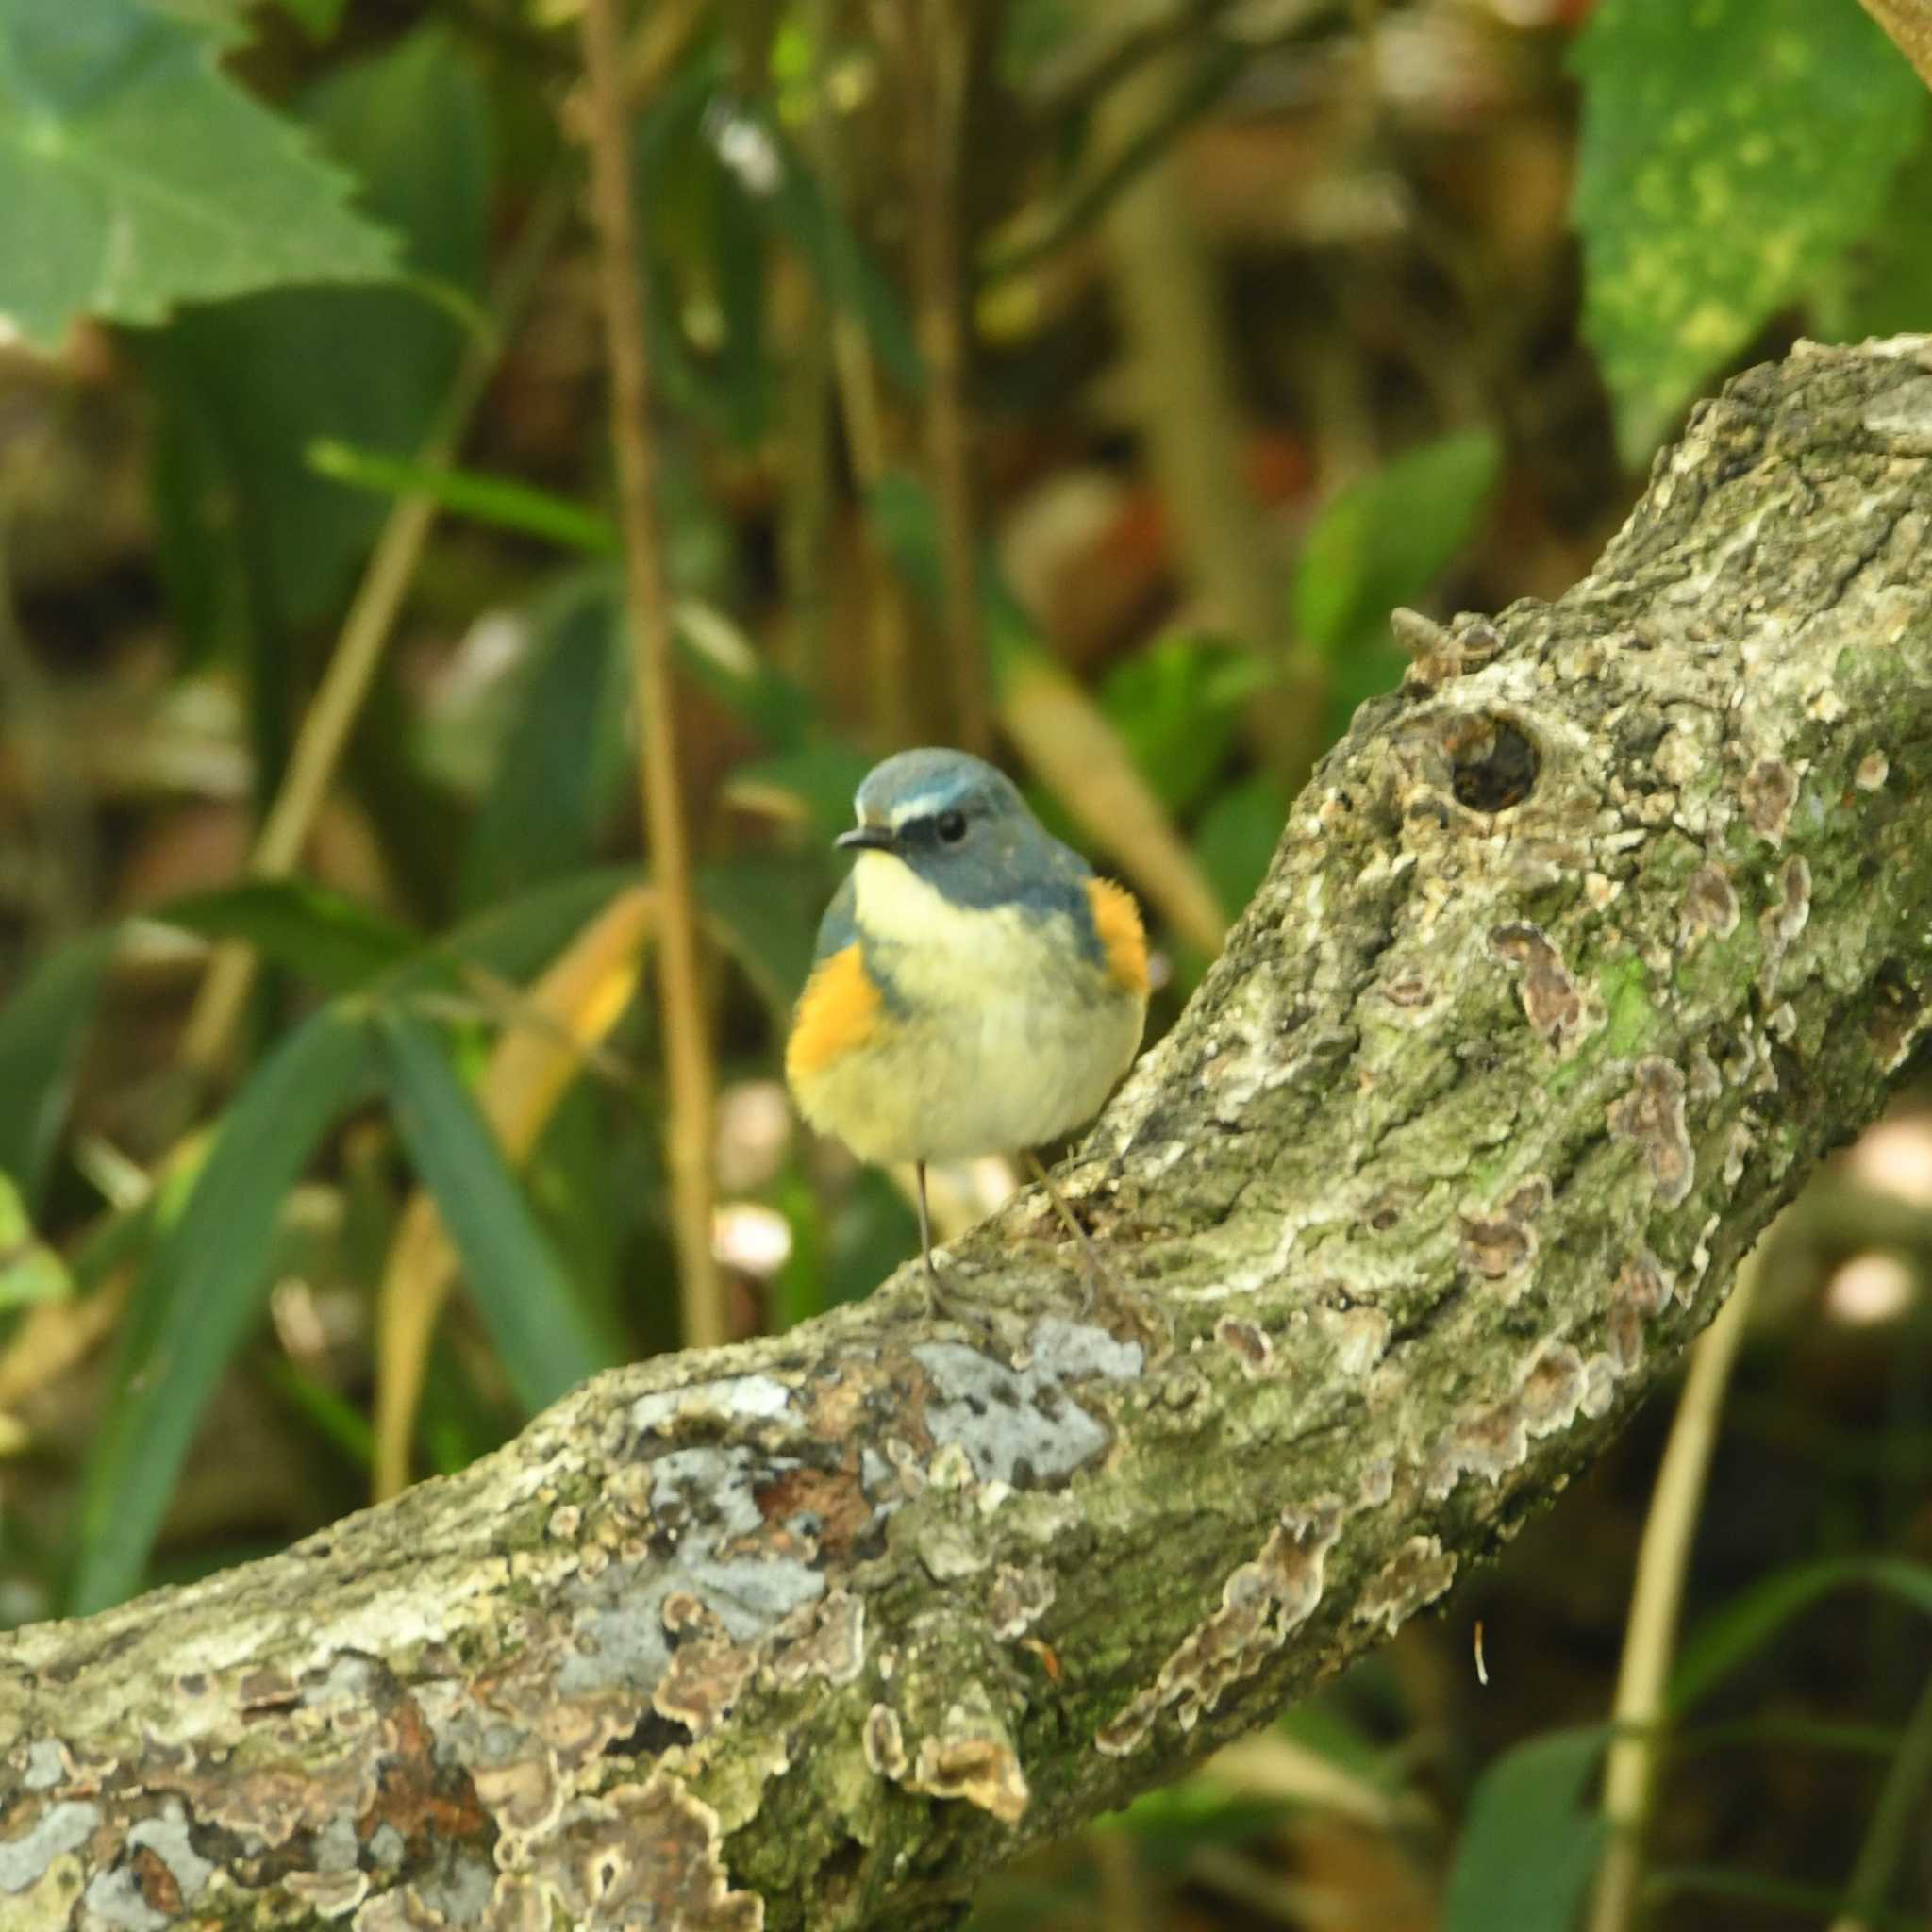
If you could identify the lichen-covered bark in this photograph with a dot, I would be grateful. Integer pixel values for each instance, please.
(1578, 954)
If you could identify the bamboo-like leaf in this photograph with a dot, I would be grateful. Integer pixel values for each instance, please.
(334, 941)
(41, 1029)
(30, 1271)
(546, 1345)
(1751, 1618)
(501, 500)
(201, 1288)
(572, 1009)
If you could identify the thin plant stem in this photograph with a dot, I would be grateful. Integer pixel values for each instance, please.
(682, 1003)
(1900, 1802)
(1171, 312)
(888, 625)
(1657, 1597)
(935, 62)
(366, 631)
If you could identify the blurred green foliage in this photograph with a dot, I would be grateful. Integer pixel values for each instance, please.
(313, 261)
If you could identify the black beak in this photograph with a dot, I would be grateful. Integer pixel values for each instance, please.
(864, 838)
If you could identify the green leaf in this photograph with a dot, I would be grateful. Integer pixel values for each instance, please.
(42, 1029)
(562, 759)
(523, 1293)
(1730, 151)
(1237, 838)
(202, 1286)
(1384, 542)
(29, 1270)
(1883, 285)
(318, 19)
(133, 175)
(764, 911)
(295, 923)
(1751, 1618)
(247, 387)
(501, 500)
(1177, 704)
(1529, 1846)
(812, 782)
(805, 215)
(515, 940)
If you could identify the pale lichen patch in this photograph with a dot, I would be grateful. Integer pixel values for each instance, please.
(825, 1639)
(1023, 1426)
(1493, 1442)
(647, 1855)
(1783, 922)
(60, 1828)
(971, 1760)
(1249, 1341)
(1709, 908)
(1262, 1604)
(1500, 1243)
(884, 1742)
(1651, 1115)
(1768, 793)
(1560, 1011)
(1019, 1598)
(1418, 1574)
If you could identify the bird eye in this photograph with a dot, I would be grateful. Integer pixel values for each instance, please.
(952, 827)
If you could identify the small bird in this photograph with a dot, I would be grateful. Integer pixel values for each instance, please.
(978, 990)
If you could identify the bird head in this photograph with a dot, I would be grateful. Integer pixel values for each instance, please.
(961, 827)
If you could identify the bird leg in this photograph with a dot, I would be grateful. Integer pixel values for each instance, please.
(1096, 1269)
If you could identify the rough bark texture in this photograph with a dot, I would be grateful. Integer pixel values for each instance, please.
(1578, 954)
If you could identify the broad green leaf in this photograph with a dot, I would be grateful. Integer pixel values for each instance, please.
(1750, 1620)
(1882, 286)
(202, 1287)
(1730, 151)
(42, 1027)
(318, 19)
(1177, 704)
(29, 1270)
(135, 174)
(246, 388)
(1529, 1844)
(545, 1343)
(1384, 542)
(297, 924)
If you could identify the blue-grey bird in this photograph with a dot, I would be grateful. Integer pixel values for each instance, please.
(978, 990)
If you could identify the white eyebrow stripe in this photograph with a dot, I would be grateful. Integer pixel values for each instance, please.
(924, 806)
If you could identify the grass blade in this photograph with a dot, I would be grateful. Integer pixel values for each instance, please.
(1751, 1618)
(200, 1289)
(569, 1011)
(329, 939)
(546, 1345)
(41, 1029)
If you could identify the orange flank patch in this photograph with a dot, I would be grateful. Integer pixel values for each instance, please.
(837, 1012)
(1117, 920)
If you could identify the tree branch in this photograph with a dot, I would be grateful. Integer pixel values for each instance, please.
(1578, 954)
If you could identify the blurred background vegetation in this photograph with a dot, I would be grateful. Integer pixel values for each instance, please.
(1079, 380)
